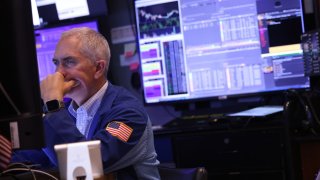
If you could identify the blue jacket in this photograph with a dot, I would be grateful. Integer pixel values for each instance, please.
(134, 159)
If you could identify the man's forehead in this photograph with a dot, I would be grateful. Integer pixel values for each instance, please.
(66, 51)
(68, 42)
(61, 58)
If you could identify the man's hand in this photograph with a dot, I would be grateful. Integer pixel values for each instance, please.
(54, 86)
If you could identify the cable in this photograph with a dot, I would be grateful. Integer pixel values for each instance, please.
(313, 111)
(32, 170)
(248, 121)
(23, 165)
(308, 110)
(4, 92)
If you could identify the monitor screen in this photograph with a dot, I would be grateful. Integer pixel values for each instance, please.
(52, 11)
(20, 99)
(46, 41)
(192, 50)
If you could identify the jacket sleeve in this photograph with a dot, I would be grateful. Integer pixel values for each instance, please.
(115, 148)
(35, 157)
(60, 128)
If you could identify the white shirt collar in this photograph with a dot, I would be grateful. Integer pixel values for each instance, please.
(91, 105)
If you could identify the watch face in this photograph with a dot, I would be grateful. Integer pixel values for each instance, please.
(54, 105)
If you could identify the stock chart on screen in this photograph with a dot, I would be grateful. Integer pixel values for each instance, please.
(215, 48)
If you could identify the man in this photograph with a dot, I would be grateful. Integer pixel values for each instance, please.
(98, 110)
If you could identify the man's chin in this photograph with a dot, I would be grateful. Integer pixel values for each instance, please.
(72, 93)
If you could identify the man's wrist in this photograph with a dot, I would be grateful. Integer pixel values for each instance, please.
(53, 105)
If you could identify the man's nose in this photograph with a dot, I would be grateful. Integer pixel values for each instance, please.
(61, 69)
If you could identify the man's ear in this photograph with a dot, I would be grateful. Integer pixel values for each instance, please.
(100, 68)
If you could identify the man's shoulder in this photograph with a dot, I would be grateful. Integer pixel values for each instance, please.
(119, 99)
(120, 95)
(121, 92)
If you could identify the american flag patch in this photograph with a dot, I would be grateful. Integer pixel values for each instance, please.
(5, 152)
(119, 130)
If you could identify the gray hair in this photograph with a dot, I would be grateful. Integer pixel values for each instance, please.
(92, 44)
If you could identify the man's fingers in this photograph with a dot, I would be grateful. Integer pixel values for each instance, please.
(59, 74)
(69, 84)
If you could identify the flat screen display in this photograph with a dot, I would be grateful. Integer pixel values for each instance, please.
(53, 11)
(218, 48)
(46, 41)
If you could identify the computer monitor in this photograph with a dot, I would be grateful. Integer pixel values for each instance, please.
(46, 41)
(54, 11)
(20, 100)
(196, 50)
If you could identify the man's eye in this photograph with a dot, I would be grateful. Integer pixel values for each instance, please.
(55, 62)
(69, 62)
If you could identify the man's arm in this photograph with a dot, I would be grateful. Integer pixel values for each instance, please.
(60, 128)
(115, 148)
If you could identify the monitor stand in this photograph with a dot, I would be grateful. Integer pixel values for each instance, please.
(81, 160)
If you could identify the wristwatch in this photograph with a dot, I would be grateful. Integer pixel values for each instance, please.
(52, 106)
